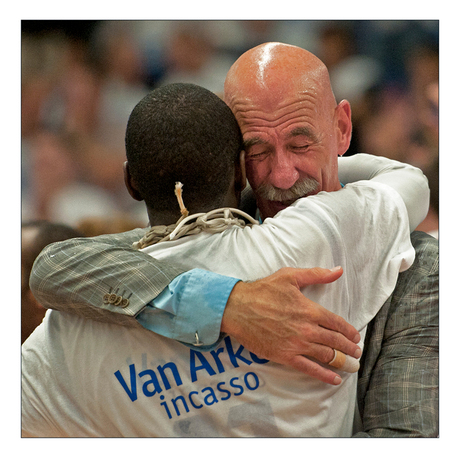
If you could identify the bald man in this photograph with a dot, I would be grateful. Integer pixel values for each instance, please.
(293, 132)
(293, 129)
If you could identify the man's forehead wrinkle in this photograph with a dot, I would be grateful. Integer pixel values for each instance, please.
(303, 131)
(303, 104)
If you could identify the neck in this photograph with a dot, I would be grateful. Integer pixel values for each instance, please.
(166, 218)
(163, 218)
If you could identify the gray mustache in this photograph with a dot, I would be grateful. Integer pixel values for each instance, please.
(299, 189)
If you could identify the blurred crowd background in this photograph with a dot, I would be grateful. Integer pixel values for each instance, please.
(81, 79)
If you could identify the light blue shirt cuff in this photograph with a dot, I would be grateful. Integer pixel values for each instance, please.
(190, 309)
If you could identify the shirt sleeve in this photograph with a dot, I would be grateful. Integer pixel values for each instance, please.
(408, 181)
(78, 275)
(190, 309)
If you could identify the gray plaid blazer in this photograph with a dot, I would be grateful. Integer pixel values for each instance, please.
(77, 275)
(398, 386)
(398, 380)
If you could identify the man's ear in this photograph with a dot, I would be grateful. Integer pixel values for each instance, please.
(130, 184)
(240, 173)
(344, 126)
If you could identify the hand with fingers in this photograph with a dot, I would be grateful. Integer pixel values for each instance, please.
(273, 319)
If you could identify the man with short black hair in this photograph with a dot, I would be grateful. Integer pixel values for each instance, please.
(213, 131)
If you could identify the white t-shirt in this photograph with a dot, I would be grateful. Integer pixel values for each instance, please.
(85, 378)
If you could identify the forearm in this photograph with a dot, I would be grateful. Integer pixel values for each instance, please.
(103, 278)
(83, 271)
(408, 181)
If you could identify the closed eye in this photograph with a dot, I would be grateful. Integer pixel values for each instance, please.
(300, 149)
(257, 155)
(256, 148)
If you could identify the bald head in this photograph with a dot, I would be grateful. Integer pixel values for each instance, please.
(293, 130)
(277, 69)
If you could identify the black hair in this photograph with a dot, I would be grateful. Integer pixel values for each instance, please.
(182, 132)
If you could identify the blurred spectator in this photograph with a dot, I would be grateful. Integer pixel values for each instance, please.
(395, 120)
(389, 42)
(423, 76)
(101, 168)
(120, 64)
(387, 124)
(59, 65)
(191, 57)
(429, 124)
(352, 74)
(56, 190)
(337, 43)
(35, 235)
(73, 104)
(42, 59)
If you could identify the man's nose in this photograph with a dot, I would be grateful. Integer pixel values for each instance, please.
(284, 173)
